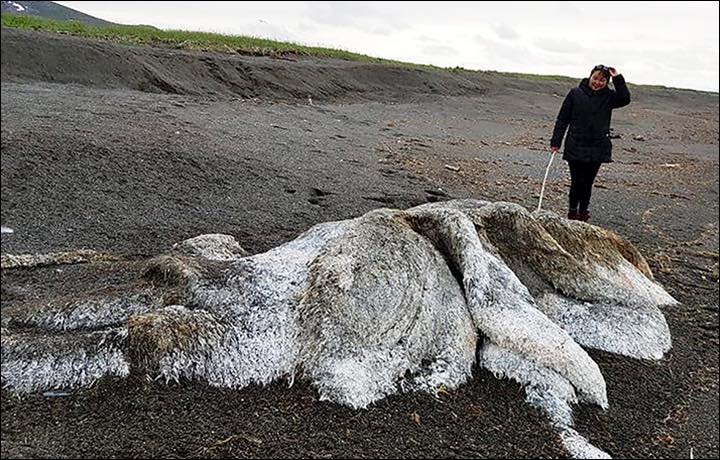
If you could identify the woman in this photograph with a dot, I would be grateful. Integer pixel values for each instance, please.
(587, 110)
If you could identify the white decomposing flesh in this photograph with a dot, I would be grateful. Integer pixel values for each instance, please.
(363, 308)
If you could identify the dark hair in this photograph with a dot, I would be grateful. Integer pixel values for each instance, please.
(602, 68)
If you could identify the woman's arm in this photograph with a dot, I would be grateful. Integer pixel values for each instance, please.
(621, 96)
(562, 122)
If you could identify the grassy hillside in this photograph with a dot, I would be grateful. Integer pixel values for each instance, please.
(235, 44)
(181, 39)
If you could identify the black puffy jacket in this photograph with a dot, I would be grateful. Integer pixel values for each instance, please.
(588, 112)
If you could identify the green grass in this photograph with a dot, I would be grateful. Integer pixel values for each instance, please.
(235, 44)
(181, 39)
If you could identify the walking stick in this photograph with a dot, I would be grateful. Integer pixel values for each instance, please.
(542, 190)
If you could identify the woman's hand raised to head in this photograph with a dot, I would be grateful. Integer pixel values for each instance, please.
(613, 71)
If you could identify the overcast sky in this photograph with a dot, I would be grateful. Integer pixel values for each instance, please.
(667, 43)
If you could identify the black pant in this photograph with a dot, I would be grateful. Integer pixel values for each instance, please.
(582, 176)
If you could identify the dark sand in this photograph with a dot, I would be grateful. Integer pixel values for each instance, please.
(129, 150)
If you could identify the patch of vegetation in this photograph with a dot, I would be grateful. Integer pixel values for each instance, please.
(236, 44)
(181, 39)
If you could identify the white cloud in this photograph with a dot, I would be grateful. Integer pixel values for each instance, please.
(558, 45)
(506, 32)
(439, 50)
(367, 16)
